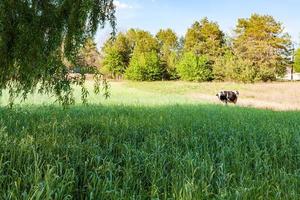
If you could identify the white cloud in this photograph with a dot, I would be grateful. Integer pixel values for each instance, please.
(119, 5)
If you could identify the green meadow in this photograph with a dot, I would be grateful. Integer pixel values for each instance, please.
(148, 141)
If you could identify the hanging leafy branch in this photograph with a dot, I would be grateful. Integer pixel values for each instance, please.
(36, 36)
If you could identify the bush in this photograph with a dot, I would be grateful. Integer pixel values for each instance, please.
(266, 73)
(144, 67)
(231, 68)
(194, 68)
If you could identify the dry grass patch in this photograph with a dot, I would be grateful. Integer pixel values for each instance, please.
(277, 96)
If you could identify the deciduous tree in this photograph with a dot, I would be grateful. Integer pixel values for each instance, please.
(194, 68)
(204, 38)
(117, 55)
(261, 40)
(230, 67)
(168, 44)
(36, 36)
(144, 64)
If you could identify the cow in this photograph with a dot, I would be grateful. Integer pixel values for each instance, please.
(228, 96)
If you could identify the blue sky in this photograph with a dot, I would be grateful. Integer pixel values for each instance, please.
(179, 15)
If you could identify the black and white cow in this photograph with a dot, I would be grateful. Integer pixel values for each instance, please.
(228, 96)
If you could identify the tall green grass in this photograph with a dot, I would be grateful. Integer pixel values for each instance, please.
(149, 152)
(122, 93)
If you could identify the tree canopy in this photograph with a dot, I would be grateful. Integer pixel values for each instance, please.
(204, 38)
(134, 55)
(145, 63)
(36, 36)
(259, 50)
(117, 55)
(168, 42)
(261, 40)
(194, 68)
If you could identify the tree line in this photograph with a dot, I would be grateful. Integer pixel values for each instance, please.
(260, 50)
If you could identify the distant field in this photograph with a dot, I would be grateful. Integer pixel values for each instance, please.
(157, 140)
(276, 96)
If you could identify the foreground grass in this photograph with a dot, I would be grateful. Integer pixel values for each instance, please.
(149, 152)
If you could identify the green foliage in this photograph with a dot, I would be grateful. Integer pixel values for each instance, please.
(168, 42)
(204, 38)
(259, 52)
(114, 64)
(143, 41)
(231, 68)
(194, 68)
(144, 67)
(117, 54)
(35, 38)
(170, 72)
(297, 61)
(88, 59)
(260, 39)
(223, 68)
(144, 63)
(167, 38)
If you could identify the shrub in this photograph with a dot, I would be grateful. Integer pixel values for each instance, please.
(266, 73)
(144, 67)
(231, 68)
(194, 68)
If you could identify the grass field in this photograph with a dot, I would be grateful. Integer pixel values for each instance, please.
(149, 141)
(274, 96)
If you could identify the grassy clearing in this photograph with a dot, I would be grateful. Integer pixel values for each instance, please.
(122, 93)
(275, 96)
(183, 88)
(144, 145)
